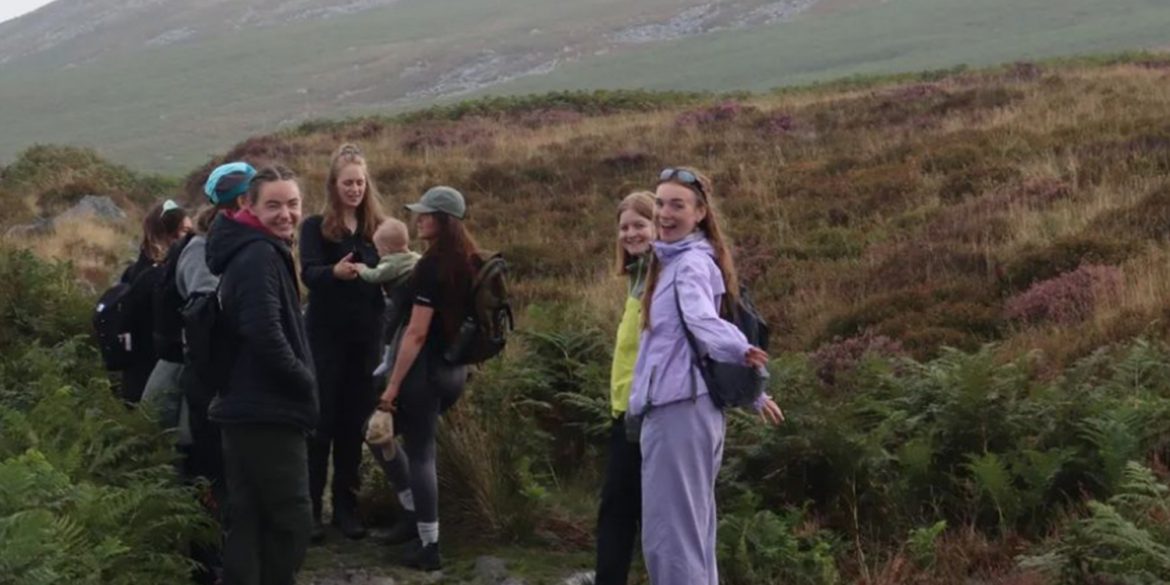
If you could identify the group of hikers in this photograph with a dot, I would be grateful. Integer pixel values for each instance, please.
(379, 353)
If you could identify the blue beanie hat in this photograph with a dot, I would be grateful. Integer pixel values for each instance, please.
(228, 182)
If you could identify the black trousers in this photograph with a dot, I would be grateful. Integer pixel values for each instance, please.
(269, 516)
(620, 514)
(345, 366)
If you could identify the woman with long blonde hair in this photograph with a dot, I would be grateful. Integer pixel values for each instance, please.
(344, 322)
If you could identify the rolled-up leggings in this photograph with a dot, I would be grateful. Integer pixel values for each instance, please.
(682, 449)
(429, 389)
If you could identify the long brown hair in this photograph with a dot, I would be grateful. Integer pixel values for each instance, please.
(704, 198)
(642, 203)
(160, 229)
(457, 256)
(369, 211)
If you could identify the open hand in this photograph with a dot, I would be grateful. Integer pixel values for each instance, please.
(771, 413)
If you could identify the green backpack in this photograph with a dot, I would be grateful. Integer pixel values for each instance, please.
(484, 330)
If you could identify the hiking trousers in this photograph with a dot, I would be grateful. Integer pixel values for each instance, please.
(620, 512)
(344, 366)
(268, 515)
(430, 388)
(682, 449)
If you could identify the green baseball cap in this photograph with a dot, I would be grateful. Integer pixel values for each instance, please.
(440, 199)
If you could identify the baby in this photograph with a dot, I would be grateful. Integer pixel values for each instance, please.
(396, 260)
(395, 264)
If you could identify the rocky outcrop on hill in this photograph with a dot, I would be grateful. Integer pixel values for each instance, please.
(96, 207)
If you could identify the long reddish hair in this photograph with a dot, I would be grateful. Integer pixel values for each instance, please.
(704, 199)
(457, 256)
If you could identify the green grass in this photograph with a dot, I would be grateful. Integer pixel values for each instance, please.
(893, 36)
(167, 109)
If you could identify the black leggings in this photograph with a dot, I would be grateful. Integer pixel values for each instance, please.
(345, 369)
(430, 388)
(620, 512)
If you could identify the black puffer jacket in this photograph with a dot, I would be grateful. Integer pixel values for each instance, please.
(272, 380)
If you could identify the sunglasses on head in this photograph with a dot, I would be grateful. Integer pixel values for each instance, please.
(169, 205)
(682, 176)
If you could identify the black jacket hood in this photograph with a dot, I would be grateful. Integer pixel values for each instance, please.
(227, 237)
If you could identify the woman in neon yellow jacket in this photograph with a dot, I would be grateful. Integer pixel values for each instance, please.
(620, 512)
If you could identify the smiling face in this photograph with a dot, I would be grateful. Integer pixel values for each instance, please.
(278, 207)
(635, 232)
(351, 185)
(678, 211)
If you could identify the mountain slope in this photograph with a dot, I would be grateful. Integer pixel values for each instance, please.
(159, 84)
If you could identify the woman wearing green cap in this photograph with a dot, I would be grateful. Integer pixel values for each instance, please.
(344, 321)
(422, 385)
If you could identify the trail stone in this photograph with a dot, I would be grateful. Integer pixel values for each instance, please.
(490, 570)
(582, 578)
(39, 227)
(93, 206)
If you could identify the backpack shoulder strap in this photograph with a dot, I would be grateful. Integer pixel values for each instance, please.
(691, 341)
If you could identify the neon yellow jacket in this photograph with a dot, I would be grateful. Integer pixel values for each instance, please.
(625, 351)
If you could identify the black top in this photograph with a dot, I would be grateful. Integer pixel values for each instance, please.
(143, 276)
(348, 307)
(271, 380)
(449, 303)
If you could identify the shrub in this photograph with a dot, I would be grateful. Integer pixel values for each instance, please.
(1068, 298)
(841, 357)
(721, 112)
(1037, 263)
(38, 301)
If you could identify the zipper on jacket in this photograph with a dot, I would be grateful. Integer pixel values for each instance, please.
(649, 388)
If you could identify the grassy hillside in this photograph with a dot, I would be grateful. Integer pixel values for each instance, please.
(878, 222)
(165, 106)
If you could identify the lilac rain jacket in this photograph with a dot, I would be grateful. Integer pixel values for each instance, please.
(666, 367)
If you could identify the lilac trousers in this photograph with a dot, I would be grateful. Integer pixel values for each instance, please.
(682, 448)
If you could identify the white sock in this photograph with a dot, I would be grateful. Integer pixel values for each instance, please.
(428, 532)
(406, 498)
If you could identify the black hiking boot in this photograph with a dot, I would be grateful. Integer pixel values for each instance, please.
(403, 531)
(347, 523)
(424, 558)
(317, 535)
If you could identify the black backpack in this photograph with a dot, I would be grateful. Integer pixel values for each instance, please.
(484, 330)
(747, 318)
(110, 327)
(209, 350)
(167, 304)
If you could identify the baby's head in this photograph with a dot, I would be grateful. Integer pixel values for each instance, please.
(391, 237)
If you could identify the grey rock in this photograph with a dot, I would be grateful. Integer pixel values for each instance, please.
(582, 578)
(93, 206)
(491, 570)
(39, 227)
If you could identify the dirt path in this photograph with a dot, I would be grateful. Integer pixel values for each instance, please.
(370, 562)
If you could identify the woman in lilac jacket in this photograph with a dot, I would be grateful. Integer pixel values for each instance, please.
(682, 430)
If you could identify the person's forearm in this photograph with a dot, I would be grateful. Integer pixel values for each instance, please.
(407, 353)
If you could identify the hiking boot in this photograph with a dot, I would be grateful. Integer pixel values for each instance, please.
(403, 531)
(317, 535)
(424, 558)
(347, 523)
